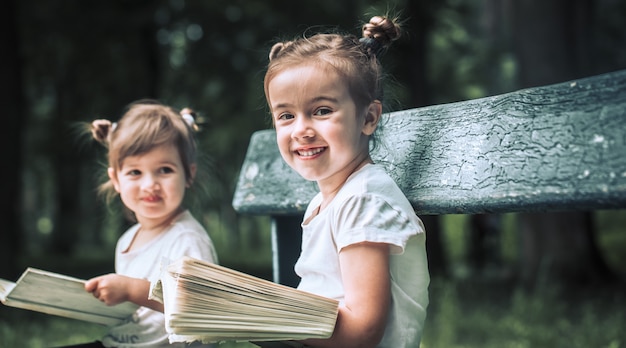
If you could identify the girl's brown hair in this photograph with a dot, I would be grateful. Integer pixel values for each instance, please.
(146, 124)
(353, 58)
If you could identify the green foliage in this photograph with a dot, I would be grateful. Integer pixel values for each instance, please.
(610, 235)
(472, 315)
(611, 238)
(19, 328)
(83, 62)
(211, 55)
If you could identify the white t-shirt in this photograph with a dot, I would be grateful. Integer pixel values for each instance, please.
(370, 207)
(186, 237)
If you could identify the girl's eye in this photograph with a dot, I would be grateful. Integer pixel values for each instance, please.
(284, 116)
(134, 172)
(166, 170)
(322, 111)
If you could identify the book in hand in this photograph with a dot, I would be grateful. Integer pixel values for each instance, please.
(211, 303)
(61, 295)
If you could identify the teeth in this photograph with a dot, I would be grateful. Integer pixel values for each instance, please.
(311, 152)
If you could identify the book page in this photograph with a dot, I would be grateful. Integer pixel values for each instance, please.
(211, 303)
(5, 288)
(57, 294)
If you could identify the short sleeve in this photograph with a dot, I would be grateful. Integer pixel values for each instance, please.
(370, 218)
(189, 243)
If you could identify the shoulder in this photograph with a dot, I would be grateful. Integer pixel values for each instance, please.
(186, 227)
(187, 221)
(372, 198)
(187, 237)
(373, 180)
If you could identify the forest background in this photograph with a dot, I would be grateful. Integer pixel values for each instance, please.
(66, 62)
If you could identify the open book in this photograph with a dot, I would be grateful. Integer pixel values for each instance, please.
(210, 303)
(61, 295)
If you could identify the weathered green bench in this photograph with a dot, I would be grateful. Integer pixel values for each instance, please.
(552, 148)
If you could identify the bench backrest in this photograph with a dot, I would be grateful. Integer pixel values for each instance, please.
(556, 147)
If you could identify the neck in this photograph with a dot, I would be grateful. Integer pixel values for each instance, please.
(160, 224)
(330, 191)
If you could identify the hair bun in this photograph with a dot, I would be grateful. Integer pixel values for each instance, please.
(276, 50)
(378, 33)
(101, 130)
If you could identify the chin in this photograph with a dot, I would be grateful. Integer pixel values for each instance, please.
(307, 175)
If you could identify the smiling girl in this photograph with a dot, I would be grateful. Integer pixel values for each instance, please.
(362, 242)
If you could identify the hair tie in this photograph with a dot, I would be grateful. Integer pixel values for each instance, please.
(372, 45)
(190, 120)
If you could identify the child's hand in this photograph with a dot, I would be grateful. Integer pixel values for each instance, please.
(111, 288)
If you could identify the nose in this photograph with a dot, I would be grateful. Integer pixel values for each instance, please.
(302, 128)
(149, 182)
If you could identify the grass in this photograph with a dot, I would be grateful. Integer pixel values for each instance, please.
(478, 315)
(465, 312)
(21, 329)
(461, 315)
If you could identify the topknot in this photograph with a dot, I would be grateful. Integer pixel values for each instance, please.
(382, 29)
(101, 130)
(275, 50)
(378, 33)
(278, 48)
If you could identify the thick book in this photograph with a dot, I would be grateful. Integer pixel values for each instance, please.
(211, 303)
(57, 294)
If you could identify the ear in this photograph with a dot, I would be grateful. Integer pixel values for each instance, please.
(193, 168)
(372, 117)
(113, 177)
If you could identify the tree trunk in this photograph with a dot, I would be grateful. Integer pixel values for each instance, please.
(484, 243)
(421, 14)
(559, 247)
(10, 142)
(551, 40)
(75, 194)
(437, 261)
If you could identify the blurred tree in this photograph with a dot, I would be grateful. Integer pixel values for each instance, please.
(553, 43)
(420, 18)
(80, 61)
(473, 53)
(217, 52)
(79, 69)
(10, 141)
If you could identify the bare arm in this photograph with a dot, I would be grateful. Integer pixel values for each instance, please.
(361, 322)
(113, 289)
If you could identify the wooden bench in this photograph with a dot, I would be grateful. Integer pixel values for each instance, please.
(560, 147)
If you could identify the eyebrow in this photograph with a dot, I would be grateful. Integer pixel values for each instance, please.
(314, 100)
(325, 98)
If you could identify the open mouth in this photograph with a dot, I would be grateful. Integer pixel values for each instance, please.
(310, 152)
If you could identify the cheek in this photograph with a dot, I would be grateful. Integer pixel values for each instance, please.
(126, 189)
(178, 186)
(283, 139)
